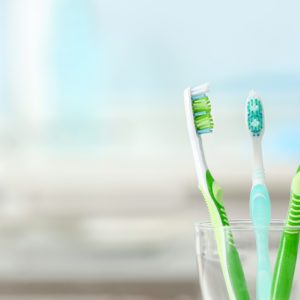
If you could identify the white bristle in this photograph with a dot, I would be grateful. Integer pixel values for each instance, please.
(200, 89)
(253, 95)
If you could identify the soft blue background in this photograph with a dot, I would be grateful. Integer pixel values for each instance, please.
(128, 56)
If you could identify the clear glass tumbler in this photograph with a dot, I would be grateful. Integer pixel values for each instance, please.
(212, 282)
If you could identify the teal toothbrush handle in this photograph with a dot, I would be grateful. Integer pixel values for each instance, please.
(264, 274)
(260, 207)
(285, 266)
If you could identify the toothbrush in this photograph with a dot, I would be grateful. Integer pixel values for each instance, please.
(288, 248)
(260, 205)
(199, 122)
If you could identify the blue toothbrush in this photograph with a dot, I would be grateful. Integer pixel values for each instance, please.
(260, 205)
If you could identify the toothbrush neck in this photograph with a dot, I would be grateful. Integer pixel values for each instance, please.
(203, 159)
(200, 161)
(258, 172)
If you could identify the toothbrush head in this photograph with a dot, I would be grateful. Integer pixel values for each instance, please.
(201, 110)
(255, 115)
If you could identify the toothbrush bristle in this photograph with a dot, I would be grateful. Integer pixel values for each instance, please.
(202, 114)
(255, 116)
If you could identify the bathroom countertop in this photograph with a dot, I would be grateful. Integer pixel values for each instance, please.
(100, 291)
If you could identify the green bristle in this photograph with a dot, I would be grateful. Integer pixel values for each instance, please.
(255, 117)
(201, 105)
(204, 122)
(202, 114)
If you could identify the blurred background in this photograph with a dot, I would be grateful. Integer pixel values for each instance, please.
(98, 194)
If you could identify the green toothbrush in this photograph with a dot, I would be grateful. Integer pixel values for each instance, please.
(199, 121)
(288, 248)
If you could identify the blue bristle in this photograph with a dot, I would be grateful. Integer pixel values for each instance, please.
(201, 113)
(207, 130)
(199, 97)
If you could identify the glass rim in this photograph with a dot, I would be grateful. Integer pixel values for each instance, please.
(245, 225)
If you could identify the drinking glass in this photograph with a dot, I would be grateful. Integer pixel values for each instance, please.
(212, 282)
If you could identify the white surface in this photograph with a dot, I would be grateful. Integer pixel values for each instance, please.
(92, 297)
(133, 248)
